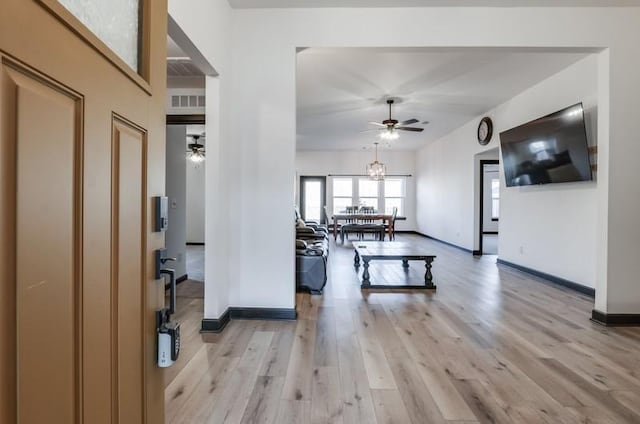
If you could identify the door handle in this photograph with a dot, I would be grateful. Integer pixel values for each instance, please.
(172, 289)
(160, 260)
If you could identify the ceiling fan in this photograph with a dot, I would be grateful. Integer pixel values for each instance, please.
(391, 125)
(196, 151)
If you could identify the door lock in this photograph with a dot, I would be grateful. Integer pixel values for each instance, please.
(168, 331)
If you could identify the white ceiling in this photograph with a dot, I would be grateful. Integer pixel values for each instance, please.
(179, 64)
(340, 89)
(173, 50)
(251, 4)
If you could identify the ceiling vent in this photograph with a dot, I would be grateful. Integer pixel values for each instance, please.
(187, 101)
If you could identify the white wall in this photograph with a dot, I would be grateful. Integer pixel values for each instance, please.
(354, 163)
(175, 236)
(257, 124)
(555, 225)
(195, 201)
(207, 23)
(266, 40)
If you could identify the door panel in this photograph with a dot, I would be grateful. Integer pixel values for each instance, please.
(77, 294)
(129, 151)
(47, 228)
(47, 293)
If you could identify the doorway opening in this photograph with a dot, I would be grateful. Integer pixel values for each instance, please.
(185, 188)
(313, 198)
(489, 210)
(189, 76)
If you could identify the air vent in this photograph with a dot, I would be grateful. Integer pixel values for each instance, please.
(187, 101)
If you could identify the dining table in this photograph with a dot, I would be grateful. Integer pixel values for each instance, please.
(359, 217)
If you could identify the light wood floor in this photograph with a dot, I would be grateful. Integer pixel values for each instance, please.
(492, 345)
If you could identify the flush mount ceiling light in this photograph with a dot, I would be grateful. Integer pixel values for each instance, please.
(196, 153)
(376, 170)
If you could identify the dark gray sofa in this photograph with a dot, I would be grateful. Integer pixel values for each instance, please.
(312, 252)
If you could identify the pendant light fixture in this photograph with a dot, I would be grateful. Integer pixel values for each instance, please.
(196, 153)
(376, 170)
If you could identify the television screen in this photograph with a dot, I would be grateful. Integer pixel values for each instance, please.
(551, 149)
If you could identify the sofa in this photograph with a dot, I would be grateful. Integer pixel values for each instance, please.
(312, 253)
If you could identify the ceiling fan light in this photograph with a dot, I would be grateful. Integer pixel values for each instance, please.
(196, 156)
(196, 150)
(389, 134)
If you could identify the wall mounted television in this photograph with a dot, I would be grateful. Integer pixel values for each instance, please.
(551, 149)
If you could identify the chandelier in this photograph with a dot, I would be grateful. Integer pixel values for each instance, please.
(196, 152)
(376, 170)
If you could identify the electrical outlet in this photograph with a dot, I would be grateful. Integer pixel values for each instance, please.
(174, 204)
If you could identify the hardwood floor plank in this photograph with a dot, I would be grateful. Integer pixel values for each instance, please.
(592, 395)
(482, 404)
(236, 393)
(182, 387)
(277, 360)
(326, 404)
(326, 351)
(434, 376)
(375, 361)
(491, 345)
(417, 399)
(205, 396)
(389, 407)
(354, 383)
(294, 412)
(297, 384)
(264, 401)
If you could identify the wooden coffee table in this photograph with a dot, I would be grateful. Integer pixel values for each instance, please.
(368, 251)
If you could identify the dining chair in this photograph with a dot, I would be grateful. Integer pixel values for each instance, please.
(369, 226)
(394, 215)
(351, 224)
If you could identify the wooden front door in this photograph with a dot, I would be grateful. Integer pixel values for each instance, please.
(81, 154)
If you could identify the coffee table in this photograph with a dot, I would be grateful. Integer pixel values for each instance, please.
(368, 251)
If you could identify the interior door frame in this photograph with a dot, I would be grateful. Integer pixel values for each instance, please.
(483, 162)
(323, 193)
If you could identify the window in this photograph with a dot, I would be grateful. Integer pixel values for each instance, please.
(394, 193)
(342, 194)
(368, 193)
(495, 199)
(383, 195)
(114, 22)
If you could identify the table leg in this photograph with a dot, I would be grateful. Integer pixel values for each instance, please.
(335, 229)
(405, 263)
(389, 229)
(428, 277)
(365, 274)
(356, 260)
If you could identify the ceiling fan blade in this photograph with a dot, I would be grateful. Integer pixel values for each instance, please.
(410, 129)
(377, 123)
(409, 122)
